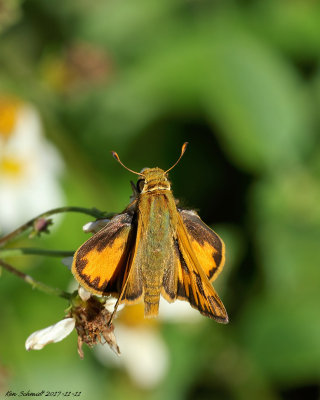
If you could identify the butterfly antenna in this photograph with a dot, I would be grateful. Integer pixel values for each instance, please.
(120, 297)
(113, 312)
(115, 155)
(183, 149)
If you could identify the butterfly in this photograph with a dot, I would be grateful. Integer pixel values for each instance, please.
(152, 249)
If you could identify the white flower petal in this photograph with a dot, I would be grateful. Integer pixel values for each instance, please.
(95, 226)
(83, 293)
(34, 183)
(179, 311)
(52, 334)
(143, 354)
(110, 303)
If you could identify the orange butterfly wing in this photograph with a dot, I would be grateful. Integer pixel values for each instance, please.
(186, 280)
(206, 244)
(102, 264)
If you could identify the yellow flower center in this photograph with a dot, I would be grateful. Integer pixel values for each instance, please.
(10, 167)
(8, 116)
(133, 315)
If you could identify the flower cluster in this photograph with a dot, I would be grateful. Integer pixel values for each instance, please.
(90, 317)
(29, 165)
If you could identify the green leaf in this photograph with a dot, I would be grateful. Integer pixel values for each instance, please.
(257, 100)
(292, 25)
(282, 336)
(280, 327)
(288, 231)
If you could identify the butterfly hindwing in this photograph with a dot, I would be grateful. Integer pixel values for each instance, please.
(102, 263)
(206, 244)
(189, 282)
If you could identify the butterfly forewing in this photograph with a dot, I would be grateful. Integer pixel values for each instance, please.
(206, 244)
(101, 264)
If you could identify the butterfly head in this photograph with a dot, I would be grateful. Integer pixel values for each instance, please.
(152, 178)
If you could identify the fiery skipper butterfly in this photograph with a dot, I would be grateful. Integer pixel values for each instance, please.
(154, 248)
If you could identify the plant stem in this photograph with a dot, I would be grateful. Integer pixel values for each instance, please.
(4, 253)
(35, 284)
(89, 211)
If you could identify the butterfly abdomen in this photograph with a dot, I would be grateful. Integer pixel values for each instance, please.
(152, 279)
(151, 301)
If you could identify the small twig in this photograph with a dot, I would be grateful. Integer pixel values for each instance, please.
(35, 284)
(4, 253)
(89, 211)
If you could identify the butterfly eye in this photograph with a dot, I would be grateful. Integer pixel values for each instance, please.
(140, 185)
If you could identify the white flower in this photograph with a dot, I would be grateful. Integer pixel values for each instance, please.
(144, 354)
(110, 304)
(29, 166)
(52, 334)
(84, 294)
(178, 312)
(89, 316)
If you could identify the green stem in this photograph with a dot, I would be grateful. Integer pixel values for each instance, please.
(35, 284)
(89, 211)
(4, 253)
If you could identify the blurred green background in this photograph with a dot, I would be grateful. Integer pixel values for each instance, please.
(240, 81)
